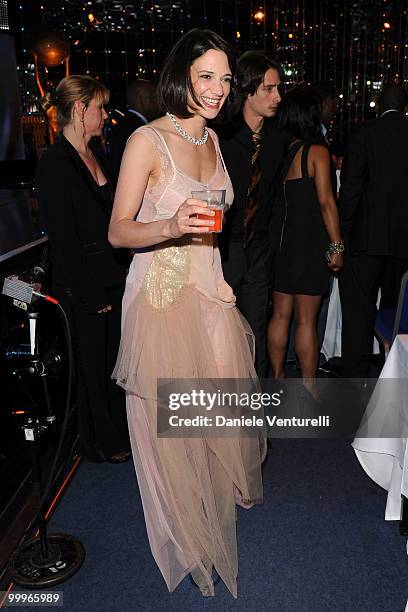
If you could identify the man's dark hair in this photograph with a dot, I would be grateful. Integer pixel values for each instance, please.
(392, 97)
(141, 96)
(251, 68)
(299, 114)
(324, 90)
(175, 79)
(137, 89)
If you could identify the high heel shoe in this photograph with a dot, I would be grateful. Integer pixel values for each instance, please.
(307, 400)
(120, 457)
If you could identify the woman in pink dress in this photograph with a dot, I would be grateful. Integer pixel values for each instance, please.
(180, 320)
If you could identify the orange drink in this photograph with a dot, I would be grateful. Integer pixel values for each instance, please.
(215, 199)
(217, 218)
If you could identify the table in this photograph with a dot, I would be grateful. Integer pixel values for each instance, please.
(385, 460)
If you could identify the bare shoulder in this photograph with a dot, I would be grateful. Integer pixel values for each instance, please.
(147, 132)
(141, 141)
(319, 153)
(141, 151)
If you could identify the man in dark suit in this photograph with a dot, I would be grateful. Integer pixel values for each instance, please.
(253, 148)
(374, 214)
(142, 108)
(328, 96)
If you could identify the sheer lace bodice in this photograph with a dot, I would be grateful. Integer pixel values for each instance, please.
(192, 259)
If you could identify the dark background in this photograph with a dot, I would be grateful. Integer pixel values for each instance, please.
(356, 44)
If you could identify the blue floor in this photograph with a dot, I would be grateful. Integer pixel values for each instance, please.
(318, 543)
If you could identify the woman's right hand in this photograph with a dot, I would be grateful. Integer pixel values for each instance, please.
(185, 220)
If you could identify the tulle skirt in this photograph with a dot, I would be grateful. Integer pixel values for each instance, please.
(189, 486)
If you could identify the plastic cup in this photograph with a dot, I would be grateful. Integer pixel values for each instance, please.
(215, 199)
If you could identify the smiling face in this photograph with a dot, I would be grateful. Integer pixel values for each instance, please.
(93, 116)
(265, 101)
(211, 80)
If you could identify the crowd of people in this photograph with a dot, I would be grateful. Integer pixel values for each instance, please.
(151, 294)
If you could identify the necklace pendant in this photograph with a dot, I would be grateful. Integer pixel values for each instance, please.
(184, 134)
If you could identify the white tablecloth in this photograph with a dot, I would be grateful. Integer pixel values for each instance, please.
(331, 346)
(385, 460)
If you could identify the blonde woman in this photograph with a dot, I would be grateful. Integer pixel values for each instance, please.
(75, 195)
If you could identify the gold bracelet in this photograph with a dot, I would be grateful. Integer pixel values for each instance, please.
(336, 247)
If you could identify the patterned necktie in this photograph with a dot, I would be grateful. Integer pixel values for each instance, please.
(252, 196)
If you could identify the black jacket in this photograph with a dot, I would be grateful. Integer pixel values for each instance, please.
(237, 148)
(118, 138)
(76, 222)
(374, 185)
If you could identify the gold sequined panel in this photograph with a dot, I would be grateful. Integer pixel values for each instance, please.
(168, 273)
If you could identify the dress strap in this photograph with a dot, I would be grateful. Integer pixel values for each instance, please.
(217, 148)
(305, 153)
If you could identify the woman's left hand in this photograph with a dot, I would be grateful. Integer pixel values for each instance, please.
(336, 262)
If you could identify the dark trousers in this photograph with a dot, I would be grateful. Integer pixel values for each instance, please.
(102, 421)
(247, 271)
(359, 282)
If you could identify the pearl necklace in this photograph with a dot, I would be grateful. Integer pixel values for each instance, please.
(196, 141)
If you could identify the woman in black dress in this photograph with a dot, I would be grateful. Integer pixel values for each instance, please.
(75, 195)
(309, 243)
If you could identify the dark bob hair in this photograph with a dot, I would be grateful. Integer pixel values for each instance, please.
(300, 114)
(175, 79)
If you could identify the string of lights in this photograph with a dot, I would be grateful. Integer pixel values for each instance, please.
(355, 44)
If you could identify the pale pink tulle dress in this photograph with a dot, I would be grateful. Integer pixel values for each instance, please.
(180, 321)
